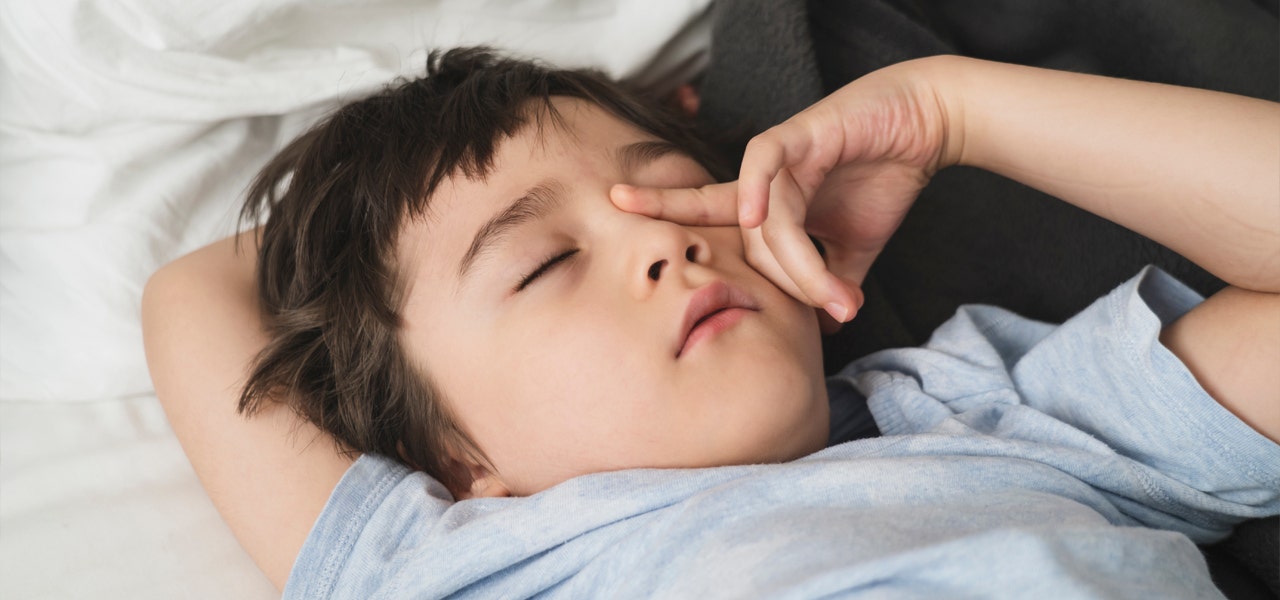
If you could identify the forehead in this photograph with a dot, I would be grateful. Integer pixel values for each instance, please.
(578, 141)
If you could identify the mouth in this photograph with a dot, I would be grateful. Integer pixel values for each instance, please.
(712, 309)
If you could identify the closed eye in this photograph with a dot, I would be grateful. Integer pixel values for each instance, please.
(543, 268)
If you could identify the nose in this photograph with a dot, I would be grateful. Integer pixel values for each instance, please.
(660, 251)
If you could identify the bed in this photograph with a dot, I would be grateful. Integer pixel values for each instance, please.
(130, 129)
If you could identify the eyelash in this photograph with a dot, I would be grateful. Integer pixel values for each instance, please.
(543, 268)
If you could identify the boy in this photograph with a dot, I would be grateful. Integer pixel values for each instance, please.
(476, 274)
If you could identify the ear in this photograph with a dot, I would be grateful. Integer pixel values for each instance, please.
(484, 484)
(688, 99)
(479, 480)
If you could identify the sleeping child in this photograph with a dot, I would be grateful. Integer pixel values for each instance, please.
(508, 332)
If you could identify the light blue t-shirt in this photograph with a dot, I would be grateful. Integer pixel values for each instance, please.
(1018, 459)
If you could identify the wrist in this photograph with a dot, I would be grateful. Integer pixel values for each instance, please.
(938, 86)
(948, 75)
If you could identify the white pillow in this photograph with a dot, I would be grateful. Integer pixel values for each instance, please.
(130, 128)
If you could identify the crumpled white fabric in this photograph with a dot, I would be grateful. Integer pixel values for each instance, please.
(130, 128)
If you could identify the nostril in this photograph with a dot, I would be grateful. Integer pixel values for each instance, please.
(655, 270)
(691, 254)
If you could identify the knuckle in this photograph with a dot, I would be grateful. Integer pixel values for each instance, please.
(761, 150)
(704, 214)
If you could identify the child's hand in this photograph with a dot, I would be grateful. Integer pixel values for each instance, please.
(844, 171)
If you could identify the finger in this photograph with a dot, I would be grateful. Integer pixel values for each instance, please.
(762, 160)
(789, 243)
(782, 146)
(851, 266)
(828, 325)
(709, 205)
(762, 259)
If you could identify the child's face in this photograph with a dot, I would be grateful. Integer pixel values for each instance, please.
(586, 369)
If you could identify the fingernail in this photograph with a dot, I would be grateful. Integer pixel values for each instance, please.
(836, 310)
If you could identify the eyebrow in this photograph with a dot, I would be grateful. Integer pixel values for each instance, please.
(636, 155)
(536, 203)
(543, 198)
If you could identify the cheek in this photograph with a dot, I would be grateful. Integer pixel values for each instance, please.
(804, 335)
(578, 393)
(726, 242)
(773, 405)
(579, 363)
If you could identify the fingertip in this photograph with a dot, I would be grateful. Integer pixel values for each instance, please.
(626, 197)
(858, 300)
(749, 215)
(837, 311)
(622, 190)
(849, 300)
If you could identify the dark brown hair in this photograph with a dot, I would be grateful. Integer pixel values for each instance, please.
(338, 195)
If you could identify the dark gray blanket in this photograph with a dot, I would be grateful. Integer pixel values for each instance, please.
(973, 236)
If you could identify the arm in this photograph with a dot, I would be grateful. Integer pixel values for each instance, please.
(1195, 170)
(1231, 343)
(268, 476)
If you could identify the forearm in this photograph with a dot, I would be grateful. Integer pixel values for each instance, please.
(270, 475)
(1197, 171)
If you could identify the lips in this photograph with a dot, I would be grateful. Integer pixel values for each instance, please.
(712, 309)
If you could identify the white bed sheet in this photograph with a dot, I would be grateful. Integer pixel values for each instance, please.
(128, 130)
(99, 502)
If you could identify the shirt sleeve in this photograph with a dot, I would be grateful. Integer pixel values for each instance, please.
(1101, 382)
(1106, 373)
(376, 513)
